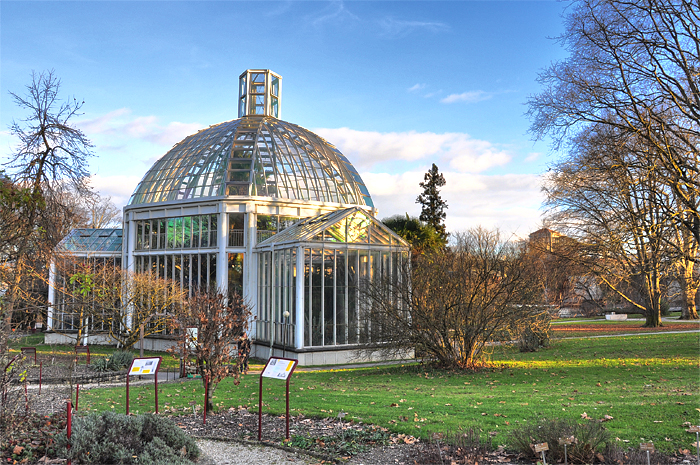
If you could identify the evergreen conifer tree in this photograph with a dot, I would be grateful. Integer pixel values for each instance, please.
(433, 206)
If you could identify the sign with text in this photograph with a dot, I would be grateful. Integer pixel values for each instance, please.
(566, 440)
(279, 368)
(542, 447)
(144, 366)
(647, 446)
(694, 429)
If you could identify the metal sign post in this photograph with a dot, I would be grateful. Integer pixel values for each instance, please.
(83, 350)
(565, 442)
(140, 367)
(542, 447)
(696, 430)
(276, 368)
(649, 448)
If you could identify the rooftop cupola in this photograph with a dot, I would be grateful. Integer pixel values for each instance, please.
(259, 93)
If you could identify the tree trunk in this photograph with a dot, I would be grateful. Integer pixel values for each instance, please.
(689, 289)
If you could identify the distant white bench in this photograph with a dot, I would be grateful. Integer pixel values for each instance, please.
(616, 317)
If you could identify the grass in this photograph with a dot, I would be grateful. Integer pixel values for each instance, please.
(647, 383)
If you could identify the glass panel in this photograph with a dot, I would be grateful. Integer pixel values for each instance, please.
(307, 297)
(352, 297)
(316, 296)
(340, 289)
(139, 235)
(194, 271)
(212, 230)
(236, 230)
(212, 271)
(275, 86)
(328, 297)
(336, 232)
(195, 231)
(358, 225)
(171, 233)
(154, 234)
(187, 231)
(162, 233)
(275, 108)
(204, 234)
(178, 232)
(256, 78)
(235, 272)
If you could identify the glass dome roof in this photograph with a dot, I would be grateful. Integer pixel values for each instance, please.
(253, 156)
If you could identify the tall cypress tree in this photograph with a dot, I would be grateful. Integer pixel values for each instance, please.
(433, 207)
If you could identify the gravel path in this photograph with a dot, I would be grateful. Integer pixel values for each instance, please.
(231, 453)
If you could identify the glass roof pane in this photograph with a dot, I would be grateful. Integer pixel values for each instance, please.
(290, 162)
(92, 241)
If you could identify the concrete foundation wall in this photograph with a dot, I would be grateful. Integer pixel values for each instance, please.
(309, 358)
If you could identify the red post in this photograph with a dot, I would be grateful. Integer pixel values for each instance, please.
(41, 365)
(206, 396)
(69, 427)
(156, 391)
(260, 402)
(127, 394)
(77, 394)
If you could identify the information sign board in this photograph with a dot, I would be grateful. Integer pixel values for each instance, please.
(279, 368)
(542, 447)
(647, 446)
(144, 366)
(694, 429)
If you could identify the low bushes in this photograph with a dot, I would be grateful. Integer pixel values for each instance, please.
(111, 438)
(590, 440)
(119, 360)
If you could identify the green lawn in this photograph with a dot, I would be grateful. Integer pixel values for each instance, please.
(648, 384)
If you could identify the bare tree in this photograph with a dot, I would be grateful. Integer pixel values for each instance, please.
(450, 303)
(101, 298)
(617, 210)
(50, 154)
(633, 65)
(220, 320)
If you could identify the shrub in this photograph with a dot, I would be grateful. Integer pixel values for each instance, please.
(122, 359)
(118, 360)
(590, 438)
(111, 438)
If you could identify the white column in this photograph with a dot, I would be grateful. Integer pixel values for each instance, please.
(52, 295)
(299, 328)
(222, 256)
(250, 265)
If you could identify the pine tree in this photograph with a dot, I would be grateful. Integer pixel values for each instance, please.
(433, 210)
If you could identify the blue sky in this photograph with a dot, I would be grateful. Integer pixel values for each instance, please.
(395, 85)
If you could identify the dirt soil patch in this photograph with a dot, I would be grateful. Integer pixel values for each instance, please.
(621, 328)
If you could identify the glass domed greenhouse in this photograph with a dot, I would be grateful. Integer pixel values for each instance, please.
(272, 210)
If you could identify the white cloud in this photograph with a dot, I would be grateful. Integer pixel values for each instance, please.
(458, 150)
(399, 28)
(416, 87)
(510, 202)
(121, 124)
(119, 187)
(534, 156)
(335, 13)
(468, 97)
